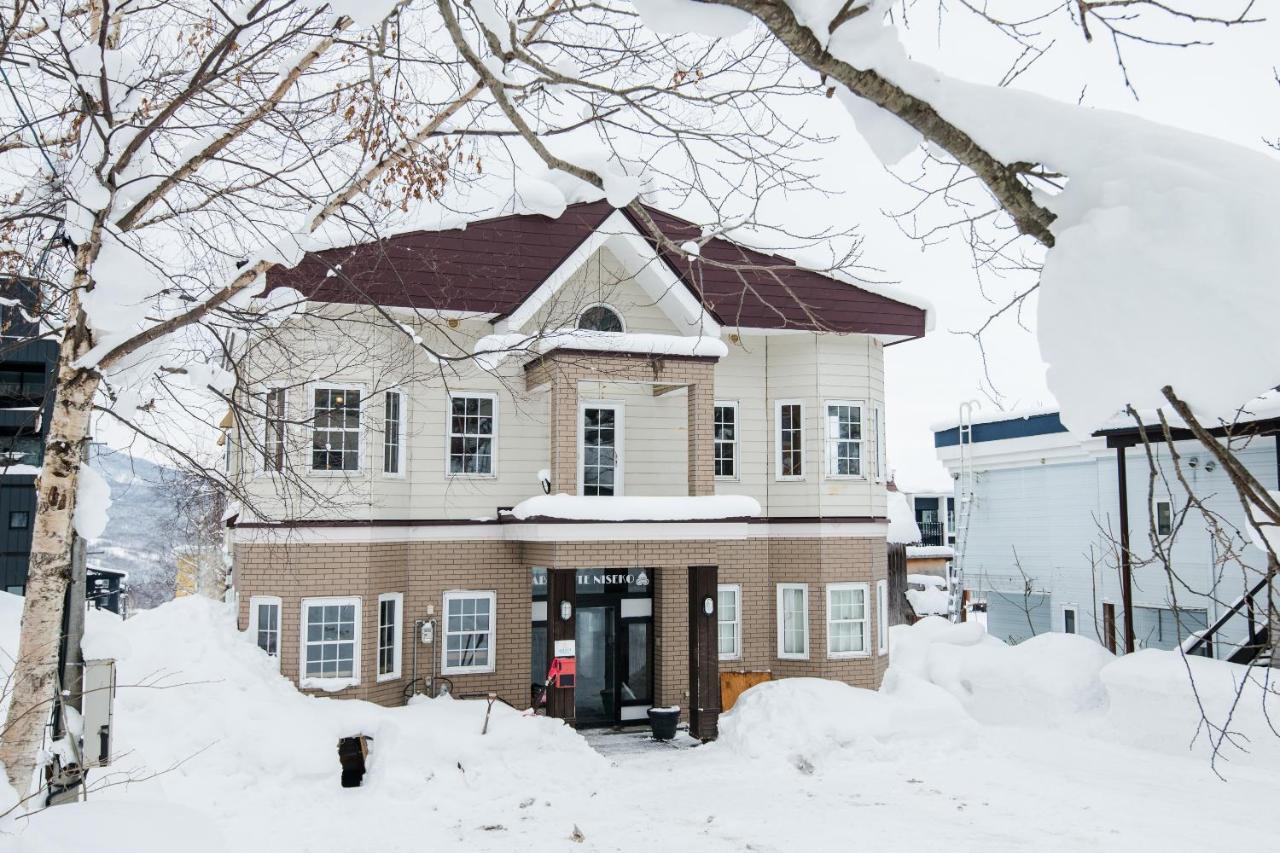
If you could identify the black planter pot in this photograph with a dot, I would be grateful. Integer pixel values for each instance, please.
(663, 722)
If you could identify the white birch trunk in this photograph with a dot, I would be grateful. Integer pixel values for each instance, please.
(34, 682)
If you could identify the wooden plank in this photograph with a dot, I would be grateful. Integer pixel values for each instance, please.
(734, 684)
(562, 585)
(704, 654)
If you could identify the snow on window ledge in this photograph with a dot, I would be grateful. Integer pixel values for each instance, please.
(328, 685)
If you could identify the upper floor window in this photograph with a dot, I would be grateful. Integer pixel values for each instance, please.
(790, 439)
(726, 440)
(273, 440)
(1164, 518)
(600, 318)
(393, 433)
(335, 430)
(472, 422)
(844, 438)
(22, 385)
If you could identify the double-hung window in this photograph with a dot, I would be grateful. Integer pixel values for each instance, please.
(789, 426)
(468, 631)
(390, 630)
(273, 440)
(726, 440)
(729, 621)
(473, 420)
(847, 620)
(844, 438)
(330, 640)
(793, 621)
(882, 616)
(335, 429)
(264, 624)
(1164, 518)
(393, 433)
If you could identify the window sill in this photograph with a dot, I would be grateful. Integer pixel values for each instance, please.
(799, 479)
(390, 676)
(467, 670)
(793, 657)
(451, 476)
(731, 658)
(848, 655)
(844, 477)
(328, 685)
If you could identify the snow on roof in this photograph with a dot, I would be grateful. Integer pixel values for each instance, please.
(995, 417)
(930, 551)
(580, 508)
(903, 529)
(492, 350)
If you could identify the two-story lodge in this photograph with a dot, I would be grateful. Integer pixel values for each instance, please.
(676, 465)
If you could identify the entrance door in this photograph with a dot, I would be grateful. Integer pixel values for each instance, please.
(600, 459)
(613, 641)
(615, 674)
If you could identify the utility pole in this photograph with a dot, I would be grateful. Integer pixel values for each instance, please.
(1126, 561)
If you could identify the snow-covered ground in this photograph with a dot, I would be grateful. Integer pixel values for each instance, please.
(971, 745)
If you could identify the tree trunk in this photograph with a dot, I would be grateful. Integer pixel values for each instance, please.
(36, 668)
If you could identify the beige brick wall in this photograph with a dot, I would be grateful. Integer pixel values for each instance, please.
(424, 571)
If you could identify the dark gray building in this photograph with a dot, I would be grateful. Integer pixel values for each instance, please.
(27, 365)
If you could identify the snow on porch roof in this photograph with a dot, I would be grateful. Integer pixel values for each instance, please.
(491, 267)
(580, 508)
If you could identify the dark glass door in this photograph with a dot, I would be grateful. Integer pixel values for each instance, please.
(596, 688)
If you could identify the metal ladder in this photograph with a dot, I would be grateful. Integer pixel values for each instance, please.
(964, 501)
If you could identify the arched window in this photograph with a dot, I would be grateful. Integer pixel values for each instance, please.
(600, 318)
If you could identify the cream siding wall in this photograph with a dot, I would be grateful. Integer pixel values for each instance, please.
(347, 346)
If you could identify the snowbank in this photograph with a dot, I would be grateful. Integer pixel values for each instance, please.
(932, 598)
(578, 507)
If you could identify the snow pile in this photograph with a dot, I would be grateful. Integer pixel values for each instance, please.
(903, 529)
(205, 709)
(491, 350)
(577, 507)
(927, 594)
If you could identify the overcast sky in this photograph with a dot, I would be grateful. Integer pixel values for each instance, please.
(1226, 90)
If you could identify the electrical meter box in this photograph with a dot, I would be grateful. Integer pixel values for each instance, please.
(99, 695)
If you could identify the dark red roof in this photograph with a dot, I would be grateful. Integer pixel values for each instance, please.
(493, 265)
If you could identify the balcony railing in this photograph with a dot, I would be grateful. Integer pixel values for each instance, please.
(931, 533)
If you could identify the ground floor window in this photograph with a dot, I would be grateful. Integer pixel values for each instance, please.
(390, 605)
(793, 621)
(468, 631)
(1165, 627)
(264, 624)
(846, 619)
(331, 639)
(1069, 620)
(729, 621)
(882, 616)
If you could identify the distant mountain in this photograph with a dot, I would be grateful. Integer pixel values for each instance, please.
(142, 525)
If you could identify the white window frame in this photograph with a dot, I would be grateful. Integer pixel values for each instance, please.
(397, 640)
(882, 616)
(449, 434)
(402, 421)
(451, 595)
(734, 443)
(621, 320)
(882, 474)
(736, 589)
(257, 601)
(619, 437)
(1062, 617)
(777, 442)
(866, 620)
(831, 442)
(312, 388)
(1159, 504)
(318, 680)
(782, 653)
(283, 417)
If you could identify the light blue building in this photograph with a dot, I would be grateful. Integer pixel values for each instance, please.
(1042, 549)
